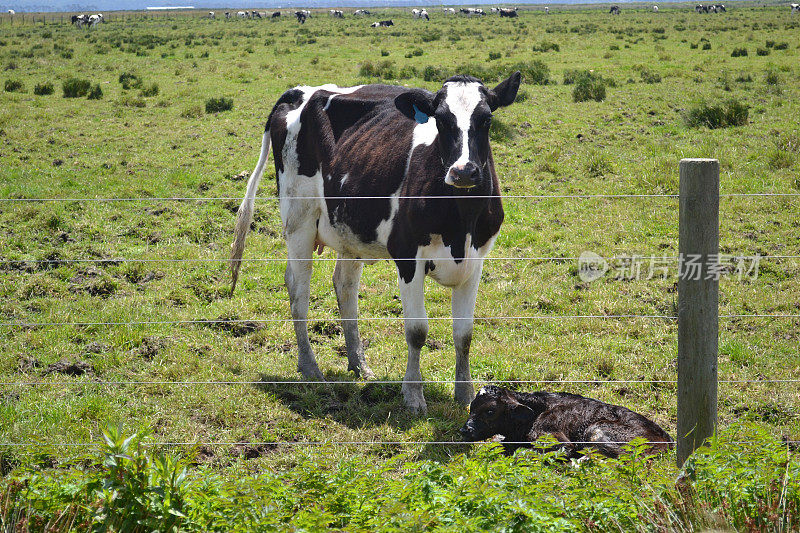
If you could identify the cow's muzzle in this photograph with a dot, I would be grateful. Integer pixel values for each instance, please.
(463, 176)
(467, 433)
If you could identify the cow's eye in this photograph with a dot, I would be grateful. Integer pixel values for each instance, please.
(490, 412)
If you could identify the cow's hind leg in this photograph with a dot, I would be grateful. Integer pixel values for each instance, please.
(300, 246)
(463, 306)
(346, 278)
(416, 325)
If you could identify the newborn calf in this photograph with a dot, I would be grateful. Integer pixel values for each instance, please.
(576, 422)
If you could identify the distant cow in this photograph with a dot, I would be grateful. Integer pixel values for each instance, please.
(655, 9)
(79, 20)
(547, 10)
(449, 11)
(276, 14)
(720, 8)
(700, 8)
(212, 15)
(382, 24)
(227, 14)
(12, 12)
(301, 17)
(795, 8)
(385, 172)
(94, 20)
(420, 14)
(614, 10)
(361, 12)
(574, 421)
(256, 14)
(337, 13)
(472, 11)
(511, 13)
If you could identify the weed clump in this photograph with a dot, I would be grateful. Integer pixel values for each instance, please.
(381, 69)
(96, 93)
(739, 52)
(129, 80)
(588, 85)
(546, 46)
(732, 113)
(43, 89)
(217, 105)
(76, 88)
(150, 90)
(14, 86)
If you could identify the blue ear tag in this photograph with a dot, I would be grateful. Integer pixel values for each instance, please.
(419, 116)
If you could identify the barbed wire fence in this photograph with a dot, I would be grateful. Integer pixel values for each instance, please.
(701, 425)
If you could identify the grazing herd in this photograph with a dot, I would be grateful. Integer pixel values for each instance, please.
(303, 14)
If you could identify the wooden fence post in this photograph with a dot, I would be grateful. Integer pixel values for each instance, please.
(698, 298)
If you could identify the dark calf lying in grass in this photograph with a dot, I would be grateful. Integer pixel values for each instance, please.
(576, 422)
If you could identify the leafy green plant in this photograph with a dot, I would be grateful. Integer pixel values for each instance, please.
(732, 113)
(588, 86)
(14, 86)
(217, 105)
(130, 80)
(76, 87)
(739, 52)
(96, 93)
(150, 90)
(43, 89)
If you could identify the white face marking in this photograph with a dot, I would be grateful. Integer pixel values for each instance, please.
(462, 99)
(482, 391)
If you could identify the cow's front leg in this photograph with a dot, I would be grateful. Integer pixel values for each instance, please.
(300, 246)
(346, 277)
(412, 294)
(463, 312)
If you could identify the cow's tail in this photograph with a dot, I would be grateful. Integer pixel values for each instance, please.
(245, 215)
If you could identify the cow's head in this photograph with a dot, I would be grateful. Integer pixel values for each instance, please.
(495, 411)
(462, 109)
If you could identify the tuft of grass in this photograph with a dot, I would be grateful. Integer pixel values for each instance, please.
(588, 86)
(43, 89)
(732, 113)
(130, 80)
(150, 90)
(76, 87)
(14, 86)
(546, 46)
(96, 93)
(739, 52)
(381, 69)
(217, 105)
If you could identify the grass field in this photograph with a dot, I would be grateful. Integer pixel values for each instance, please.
(156, 140)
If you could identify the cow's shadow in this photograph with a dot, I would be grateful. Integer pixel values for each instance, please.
(369, 405)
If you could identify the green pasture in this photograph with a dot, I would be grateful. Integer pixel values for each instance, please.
(155, 140)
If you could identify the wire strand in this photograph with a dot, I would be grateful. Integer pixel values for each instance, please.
(454, 197)
(382, 382)
(366, 319)
(355, 442)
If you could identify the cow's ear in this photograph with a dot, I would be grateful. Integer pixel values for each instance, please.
(522, 414)
(505, 93)
(416, 104)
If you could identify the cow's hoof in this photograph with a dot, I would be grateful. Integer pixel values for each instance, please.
(415, 401)
(363, 371)
(464, 393)
(311, 372)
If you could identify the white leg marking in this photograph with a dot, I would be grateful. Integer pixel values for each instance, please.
(416, 327)
(346, 278)
(463, 306)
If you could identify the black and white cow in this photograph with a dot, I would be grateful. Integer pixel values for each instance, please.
(301, 17)
(449, 11)
(227, 14)
(382, 24)
(385, 172)
(94, 20)
(720, 8)
(79, 20)
(361, 12)
(337, 13)
(547, 10)
(794, 8)
(614, 10)
(472, 11)
(212, 15)
(276, 14)
(511, 13)
(700, 8)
